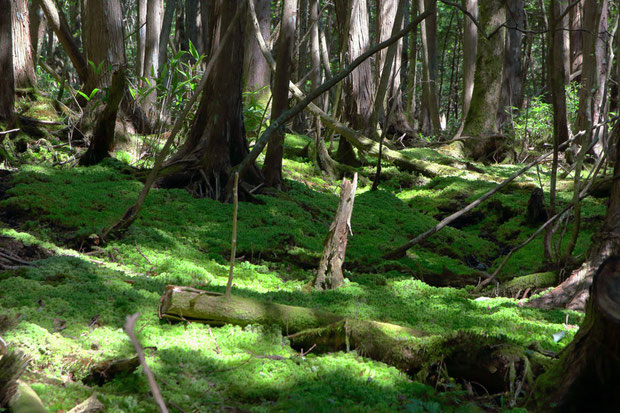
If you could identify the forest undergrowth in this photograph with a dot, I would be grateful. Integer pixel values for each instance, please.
(66, 305)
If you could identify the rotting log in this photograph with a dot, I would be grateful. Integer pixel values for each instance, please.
(491, 362)
(181, 303)
(329, 275)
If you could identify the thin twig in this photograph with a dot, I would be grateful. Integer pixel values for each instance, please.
(129, 330)
(233, 248)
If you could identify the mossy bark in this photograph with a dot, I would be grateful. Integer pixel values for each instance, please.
(481, 129)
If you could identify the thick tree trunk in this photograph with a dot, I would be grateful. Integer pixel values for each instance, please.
(481, 129)
(513, 61)
(587, 375)
(576, 37)
(359, 86)
(256, 73)
(272, 168)
(330, 274)
(7, 83)
(429, 111)
(216, 141)
(23, 64)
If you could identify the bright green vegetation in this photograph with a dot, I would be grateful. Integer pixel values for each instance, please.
(185, 241)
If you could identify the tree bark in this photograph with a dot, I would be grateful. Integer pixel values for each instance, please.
(513, 61)
(192, 26)
(38, 27)
(216, 141)
(429, 111)
(470, 50)
(164, 36)
(272, 168)
(481, 127)
(141, 35)
(576, 37)
(151, 54)
(256, 73)
(330, 274)
(23, 64)
(359, 86)
(7, 83)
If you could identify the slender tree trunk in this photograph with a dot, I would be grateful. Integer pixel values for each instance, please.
(7, 84)
(430, 123)
(166, 28)
(151, 54)
(256, 73)
(576, 37)
(38, 27)
(481, 123)
(141, 47)
(206, 11)
(216, 141)
(272, 168)
(470, 49)
(322, 158)
(23, 64)
(412, 75)
(359, 86)
(192, 25)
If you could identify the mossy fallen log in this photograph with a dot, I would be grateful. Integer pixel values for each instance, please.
(491, 362)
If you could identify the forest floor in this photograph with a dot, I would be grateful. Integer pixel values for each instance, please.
(66, 303)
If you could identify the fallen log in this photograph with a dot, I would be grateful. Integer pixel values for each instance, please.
(491, 362)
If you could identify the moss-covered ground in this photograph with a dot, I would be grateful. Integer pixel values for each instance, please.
(69, 308)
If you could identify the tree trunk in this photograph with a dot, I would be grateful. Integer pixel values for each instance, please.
(141, 45)
(470, 49)
(576, 37)
(587, 375)
(151, 54)
(330, 274)
(166, 28)
(412, 75)
(256, 73)
(559, 76)
(481, 127)
(513, 61)
(386, 14)
(358, 87)
(272, 168)
(38, 27)
(429, 111)
(7, 83)
(192, 25)
(23, 64)
(216, 141)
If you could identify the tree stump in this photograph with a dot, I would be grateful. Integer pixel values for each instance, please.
(330, 274)
(536, 212)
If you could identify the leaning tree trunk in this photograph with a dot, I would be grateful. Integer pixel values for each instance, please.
(23, 64)
(216, 141)
(330, 274)
(272, 168)
(7, 83)
(358, 87)
(481, 129)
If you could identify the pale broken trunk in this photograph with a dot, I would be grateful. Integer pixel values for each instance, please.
(330, 274)
(23, 64)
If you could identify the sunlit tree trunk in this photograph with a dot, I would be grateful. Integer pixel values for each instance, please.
(481, 127)
(141, 35)
(23, 64)
(151, 54)
(272, 168)
(7, 84)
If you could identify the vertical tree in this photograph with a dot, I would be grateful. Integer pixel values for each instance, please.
(256, 73)
(141, 34)
(470, 50)
(151, 52)
(192, 24)
(164, 36)
(272, 169)
(429, 111)
(7, 84)
(216, 141)
(481, 129)
(23, 64)
(359, 86)
(513, 61)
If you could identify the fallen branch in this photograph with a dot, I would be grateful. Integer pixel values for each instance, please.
(129, 330)
(400, 251)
